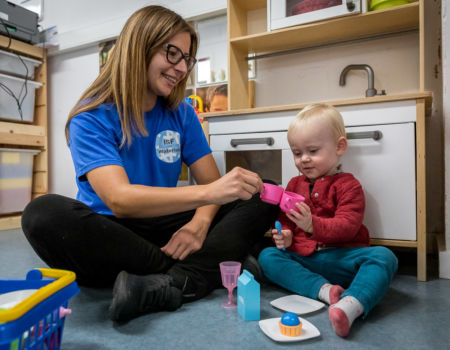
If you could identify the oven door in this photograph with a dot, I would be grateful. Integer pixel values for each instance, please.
(267, 154)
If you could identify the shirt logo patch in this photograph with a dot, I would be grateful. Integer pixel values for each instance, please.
(167, 146)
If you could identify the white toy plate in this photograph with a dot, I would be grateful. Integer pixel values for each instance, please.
(271, 328)
(297, 304)
(11, 299)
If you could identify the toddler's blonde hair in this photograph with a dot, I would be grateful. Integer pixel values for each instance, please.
(322, 111)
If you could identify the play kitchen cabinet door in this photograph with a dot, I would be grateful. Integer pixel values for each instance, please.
(382, 158)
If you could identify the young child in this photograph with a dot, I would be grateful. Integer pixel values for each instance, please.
(327, 246)
(217, 98)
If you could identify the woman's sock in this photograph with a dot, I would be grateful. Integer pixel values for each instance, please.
(330, 293)
(343, 313)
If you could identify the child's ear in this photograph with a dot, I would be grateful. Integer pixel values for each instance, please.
(341, 145)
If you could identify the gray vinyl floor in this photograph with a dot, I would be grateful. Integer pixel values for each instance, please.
(413, 315)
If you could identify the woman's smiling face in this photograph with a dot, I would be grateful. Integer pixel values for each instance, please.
(163, 76)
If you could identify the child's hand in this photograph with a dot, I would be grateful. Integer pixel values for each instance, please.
(284, 240)
(302, 218)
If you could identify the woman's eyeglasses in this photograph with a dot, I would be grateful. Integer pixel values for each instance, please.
(174, 55)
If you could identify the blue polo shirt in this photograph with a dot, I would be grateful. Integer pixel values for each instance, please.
(173, 137)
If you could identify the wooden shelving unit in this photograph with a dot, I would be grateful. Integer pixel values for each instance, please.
(21, 135)
(366, 25)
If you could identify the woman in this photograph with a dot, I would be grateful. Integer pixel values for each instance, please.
(128, 135)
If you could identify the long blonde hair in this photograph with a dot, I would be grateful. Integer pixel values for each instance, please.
(123, 79)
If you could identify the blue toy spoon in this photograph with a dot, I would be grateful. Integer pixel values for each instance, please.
(278, 227)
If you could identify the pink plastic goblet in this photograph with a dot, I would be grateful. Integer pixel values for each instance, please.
(230, 271)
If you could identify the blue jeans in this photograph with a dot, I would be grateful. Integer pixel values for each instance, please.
(365, 272)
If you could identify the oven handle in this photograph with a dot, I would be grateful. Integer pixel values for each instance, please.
(376, 135)
(254, 141)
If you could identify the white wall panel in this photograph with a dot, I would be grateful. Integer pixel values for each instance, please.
(69, 75)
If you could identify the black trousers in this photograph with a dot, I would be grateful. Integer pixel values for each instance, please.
(67, 234)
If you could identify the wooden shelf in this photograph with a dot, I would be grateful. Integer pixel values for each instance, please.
(366, 25)
(251, 5)
(393, 243)
(22, 134)
(10, 222)
(22, 48)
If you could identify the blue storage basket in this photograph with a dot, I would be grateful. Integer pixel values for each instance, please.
(35, 322)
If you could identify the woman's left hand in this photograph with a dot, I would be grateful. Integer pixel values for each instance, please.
(188, 239)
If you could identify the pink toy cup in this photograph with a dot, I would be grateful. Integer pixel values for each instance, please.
(288, 201)
(230, 271)
(271, 193)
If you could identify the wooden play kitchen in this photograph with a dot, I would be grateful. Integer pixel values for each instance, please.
(392, 167)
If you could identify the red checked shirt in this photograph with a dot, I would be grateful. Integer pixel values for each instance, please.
(337, 207)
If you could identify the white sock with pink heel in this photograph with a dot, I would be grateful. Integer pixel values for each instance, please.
(330, 293)
(343, 313)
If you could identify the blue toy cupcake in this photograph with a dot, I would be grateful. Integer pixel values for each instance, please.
(290, 325)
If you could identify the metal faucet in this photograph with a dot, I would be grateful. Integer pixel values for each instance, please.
(371, 91)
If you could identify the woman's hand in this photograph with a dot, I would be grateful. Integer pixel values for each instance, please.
(302, 218)
(187, 240)
(239, 183)
(284, 240)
